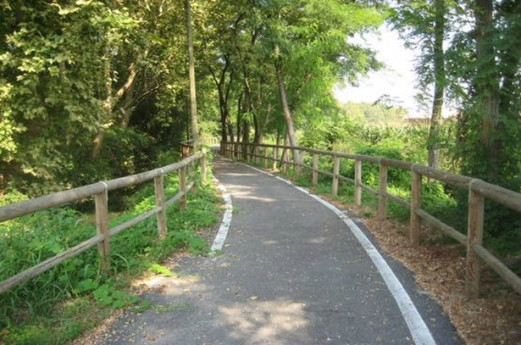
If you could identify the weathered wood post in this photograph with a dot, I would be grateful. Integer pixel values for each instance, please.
(336, 171)
(182, 187)
(160, 202)
(284, 160)
(382, 193)
(275, 157)
(474, 236)
(102, 227)
(297, 160)
(358, 182)
(265, 165)
(315, 169)
(255, 154)
(203, 168)
(185, 150)
(415, 220)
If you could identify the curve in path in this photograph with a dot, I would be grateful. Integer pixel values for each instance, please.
(290, 273)
(419, 330)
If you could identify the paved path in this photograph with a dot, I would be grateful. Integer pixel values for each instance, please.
(291, 272)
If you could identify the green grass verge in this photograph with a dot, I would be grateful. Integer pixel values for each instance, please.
(59, 305)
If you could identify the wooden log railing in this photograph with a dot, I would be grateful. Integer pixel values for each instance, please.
(100, 192)
(478, 190)
(187, 146)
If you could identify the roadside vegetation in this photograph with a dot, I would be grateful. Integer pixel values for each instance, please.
(439, 263)
(59, 305)
(383, 131)
(92, 90)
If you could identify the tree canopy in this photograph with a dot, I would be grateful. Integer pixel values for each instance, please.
(93, 89)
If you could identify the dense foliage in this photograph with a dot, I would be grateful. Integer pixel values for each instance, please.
(88, 90)
(36, 313)
(95, 89)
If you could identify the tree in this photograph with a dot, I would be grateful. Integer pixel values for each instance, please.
(307, 44)
(489, 124)
(191, 72)
(74, 78)
(423, 23)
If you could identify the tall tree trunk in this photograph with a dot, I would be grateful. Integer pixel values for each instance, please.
(239, 117)
(223, 90)
(191, 75)
(245, 131)
(111, 100)
(285, 107)
(439, 85)
(487, 85)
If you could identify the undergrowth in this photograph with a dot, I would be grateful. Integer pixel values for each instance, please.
(58, 305)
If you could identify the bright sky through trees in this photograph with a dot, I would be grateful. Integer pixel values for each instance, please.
(397, 79)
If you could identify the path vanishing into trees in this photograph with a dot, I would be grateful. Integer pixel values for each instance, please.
(292, 271)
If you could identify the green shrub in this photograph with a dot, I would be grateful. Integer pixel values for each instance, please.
(28, 310)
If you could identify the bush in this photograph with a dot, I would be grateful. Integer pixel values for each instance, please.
(28, 240)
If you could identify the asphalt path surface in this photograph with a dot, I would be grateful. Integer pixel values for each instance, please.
(291, 272)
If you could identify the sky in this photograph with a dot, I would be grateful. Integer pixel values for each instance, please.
(397, 79)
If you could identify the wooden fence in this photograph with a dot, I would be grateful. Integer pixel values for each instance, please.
(100, 193)
(187, 146)
(478, 191)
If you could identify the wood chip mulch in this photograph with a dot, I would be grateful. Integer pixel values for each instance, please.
(439, 269)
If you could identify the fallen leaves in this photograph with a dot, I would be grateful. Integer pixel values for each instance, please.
(439, 269)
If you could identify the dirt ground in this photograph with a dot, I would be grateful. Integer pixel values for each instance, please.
(439, 268)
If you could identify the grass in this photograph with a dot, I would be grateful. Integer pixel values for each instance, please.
(59, 305)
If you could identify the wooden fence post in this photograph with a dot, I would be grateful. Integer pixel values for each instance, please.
(255, 154)
(382, 194)
(297, 161)
(102, 228)
(275, 157)
(284, 160)
(203, 168)
(160, 202)
(415, 220)
(336, 171)
(358, 182)
(315, 169)
(265, 165)
(474, 236)
(182, 187)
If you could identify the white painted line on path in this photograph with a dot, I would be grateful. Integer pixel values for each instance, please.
(419, 330)
(227, 219)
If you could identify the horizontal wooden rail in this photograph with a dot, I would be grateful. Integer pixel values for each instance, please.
(49, 263)
(398, 200)
(438, 224)
(97, 189)
(51, 200)
(368, 189)
(478, 192)
(494, 263)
